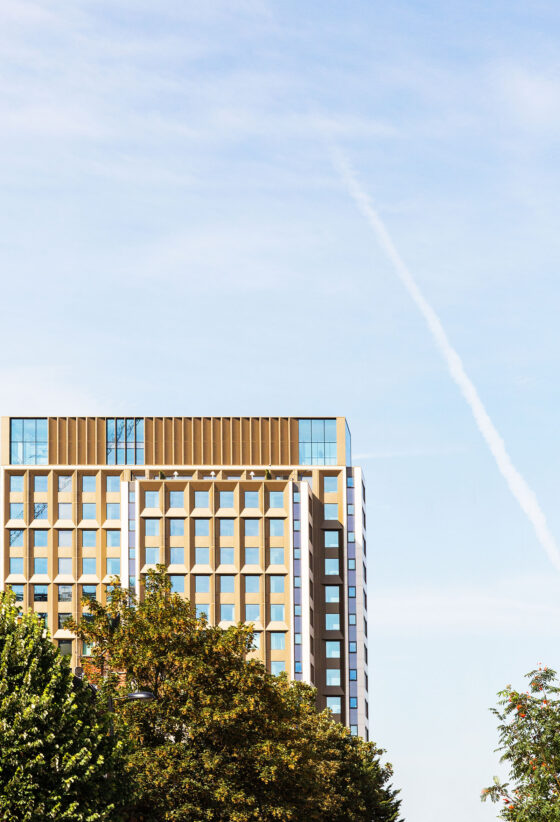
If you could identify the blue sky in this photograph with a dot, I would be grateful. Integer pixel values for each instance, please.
(174, 240)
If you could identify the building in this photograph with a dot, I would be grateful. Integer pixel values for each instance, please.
(258, 519)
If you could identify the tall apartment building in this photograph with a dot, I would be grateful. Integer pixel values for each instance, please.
(258, 519)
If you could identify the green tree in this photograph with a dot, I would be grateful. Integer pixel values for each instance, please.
(529, 731)
(57, 760)
(224, 740)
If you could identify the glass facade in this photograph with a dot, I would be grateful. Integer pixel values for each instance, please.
(29, 441)
(125, 440)
(317, 442)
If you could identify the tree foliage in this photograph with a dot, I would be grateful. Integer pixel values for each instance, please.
(529, 729)
(57, 760)
(224, 740)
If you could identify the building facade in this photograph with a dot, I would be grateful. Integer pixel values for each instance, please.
(258, 519)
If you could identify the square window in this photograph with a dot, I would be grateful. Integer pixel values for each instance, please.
(40, 538)
(40, 565)
(276, 584)
(16, 510)
(18, 591)
(16, 483)
(65, 565)
(89, 565)
(251, 555)
(40, 510)
(350, 510)
(331, 510)
(176, 499)
(177, 583)
(276, 499)
(113, 538)
(113, 566)
(177, 556)
(176, 527)
(40, 593)
(227, 583)
(333, 677)
(64, 510)
(151, 527)
(89, 539)
(65, 647)
(226, 499)
(63, 619)
(202, 584)
(203, 609)
(352, 647)
(251, 499)
(152, 556)
(202, 527)
(16, 565)
(88, 484)
(332, 622)
(113, 484)
(330, 485)
(353, 730)
(226, 556)
(277, 667)
(226, 612)
(331, 539)
(151, 499)
(65, 482)
(334, 703)
(277, 641)
(277, 556)
(331, 566)
(251, 527)
(299, 668)
(277, 613)
(64, 539)
(201, 499)
(16, 538)
(353, 674)
(252, 613)
(332, 593)
(65, 593)
(351, 536)
(276, 527)
(351, 564)
(351, 619)
(41, 484)
(88, 510)
(226, 527)
(332, 649)
(113, 510)
(351, 592)
(202, 556)
(252, 584)
(89, 591)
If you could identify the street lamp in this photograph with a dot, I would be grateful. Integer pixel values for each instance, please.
(138, 696)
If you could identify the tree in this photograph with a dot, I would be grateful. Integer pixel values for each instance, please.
(57, 760)
(529, 733)
(224, 740)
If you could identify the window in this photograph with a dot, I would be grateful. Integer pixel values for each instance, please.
(16, 483)
(226, 612)
(333, 677)
(177, 583)
(16, 510)
(353, 675)
(331, 510)
(18, 591)
(176, 527)
(65, 510)
(65, 647)
(113, 538)
(40, 593)
(331, 566)
(176, 499)
(176, 556)
(252, 584)
(201, 499)
(251, 555)
(63, 619)
(203, 609)
(113, 484)
(202, 584)
(88, 510)
(40, 565)
(86, 649)
(65, 483)
(277, 556)
(65, 593)
(113, 510)
(297, 525)
(277, 613)
(335, 704)
(28, 441)
(351, 619)
(276, 584)
(277, 641)
(351, 536)
(226, 556)
(276, 527)
(276, 499)
(332, 649)
(332, 593)
(226, 527)
(330, 485)
(202, 527)
(299, 668)
(354, 730)
(202, 556)
(16, 565)
(251, 527)
(89, 565)
(351, 592)
(40, 538)
(317, 442)
(227, 583)
(151, 499)
(332, 622)
(351, 564)
(64, 539)
(40, 485)
(350, 510)
(113, 566)
(88, 591)
(353, 702)
(151, 527)
(125, 441)
(252, 613)
(331, 539)
(226, 499)
(88, 484)
(16, 538)
(256, 640)
(152, 556)
(251, 499)
(89, 539)
(277, 667)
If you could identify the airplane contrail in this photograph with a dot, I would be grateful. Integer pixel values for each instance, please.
(524, 495)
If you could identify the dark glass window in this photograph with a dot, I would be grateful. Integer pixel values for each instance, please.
(40, 593)
(65, 593)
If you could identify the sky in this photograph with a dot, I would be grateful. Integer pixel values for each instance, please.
(175, 239)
